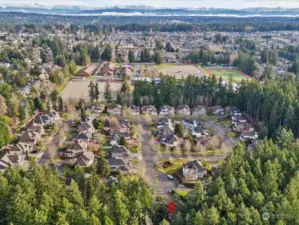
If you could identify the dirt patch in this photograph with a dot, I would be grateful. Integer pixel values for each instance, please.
(79, 89)
(180, 71)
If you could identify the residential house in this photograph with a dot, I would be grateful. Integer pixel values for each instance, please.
(116, 136)
(162, 122)
(119, 151)
(149, 109)
(242, 126)
(36, 128)
(183, 110)
(89, 70)
(166, 110)
(19, 148)
(46, 118)
(29, 138)
(232, 110)
(97, 108)
(8, 161)
(200, 131)
(119, 164)
(86, 159)
(83, 137)
(119, 159)
(85, 127)
(199, 110)
(114, 110)
(74, 150)
(108, 69)
(193, 171)
(217, 110)
(190, 124)
(238, 119)
(168, 138)
(249, 135)
(135, 110)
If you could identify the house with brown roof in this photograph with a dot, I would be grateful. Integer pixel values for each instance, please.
(89, 70)
(108, 69)
(86, 159)
(183, 110)
(74, 150)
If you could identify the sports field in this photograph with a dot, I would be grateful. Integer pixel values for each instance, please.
(179, 71)
(226, 73)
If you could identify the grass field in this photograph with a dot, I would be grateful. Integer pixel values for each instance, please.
(179, 71)
(226, 73)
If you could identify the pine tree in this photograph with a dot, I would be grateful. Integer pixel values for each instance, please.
(118, 99)
(131, 56)
(60, 104)
(96, 92)
(91, 91)
(107, 93)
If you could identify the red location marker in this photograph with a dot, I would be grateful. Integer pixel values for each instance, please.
(171, 207)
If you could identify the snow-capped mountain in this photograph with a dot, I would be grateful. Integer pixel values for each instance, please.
(143, 10)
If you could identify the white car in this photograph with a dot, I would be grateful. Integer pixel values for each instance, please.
(170, 177)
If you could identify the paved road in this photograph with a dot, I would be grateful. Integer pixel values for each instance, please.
(53, 143)
(157, 180)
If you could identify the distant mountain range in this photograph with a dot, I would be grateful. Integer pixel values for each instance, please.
(148, 11)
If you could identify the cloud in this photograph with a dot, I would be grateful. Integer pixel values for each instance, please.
(167, 3)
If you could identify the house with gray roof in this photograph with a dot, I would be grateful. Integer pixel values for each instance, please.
(8, 161)
(193, 170)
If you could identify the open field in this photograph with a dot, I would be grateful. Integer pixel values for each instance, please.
(179, 71)
(226, 73)
(79, 89)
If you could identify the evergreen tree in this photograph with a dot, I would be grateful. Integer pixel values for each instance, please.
(107, 93)
(60, 104)
(131, 56)
(96, 92)
(91, 91)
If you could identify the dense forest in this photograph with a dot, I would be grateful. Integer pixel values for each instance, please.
(29, 22)
(251, 187)
(40, 196)
(272, 104)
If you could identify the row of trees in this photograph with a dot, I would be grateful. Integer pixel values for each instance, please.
(206, 57)
(251, 187)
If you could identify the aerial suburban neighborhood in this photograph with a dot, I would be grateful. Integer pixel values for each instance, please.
(109, 119)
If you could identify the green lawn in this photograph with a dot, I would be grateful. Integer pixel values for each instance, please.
(176, 165)
(225, 74)
(232, 134)
(182, 193)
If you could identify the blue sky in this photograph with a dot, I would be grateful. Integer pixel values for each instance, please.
(167, 3)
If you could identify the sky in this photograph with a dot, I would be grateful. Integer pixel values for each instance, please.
(166, 3)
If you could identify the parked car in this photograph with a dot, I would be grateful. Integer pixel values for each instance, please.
(170, 177)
